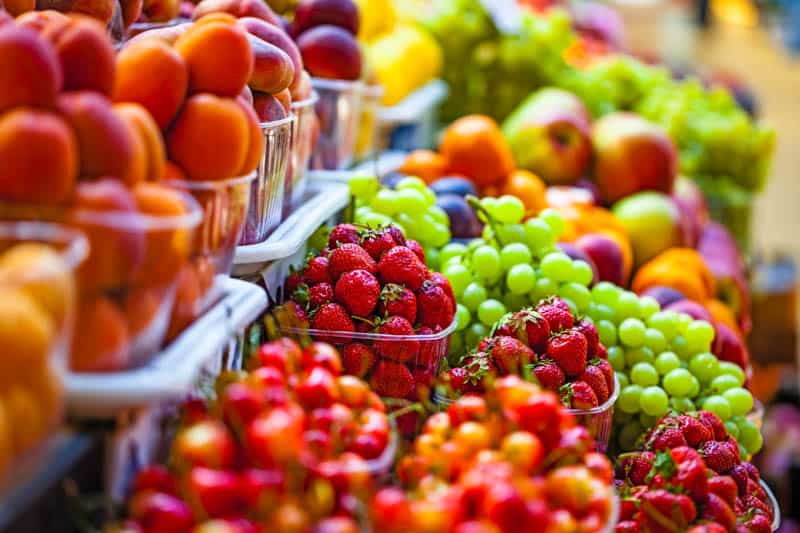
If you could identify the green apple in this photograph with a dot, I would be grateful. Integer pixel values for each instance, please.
(652, 221)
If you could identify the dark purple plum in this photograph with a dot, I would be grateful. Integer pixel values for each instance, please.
(664, 295)
(464, 224)
(454, 185)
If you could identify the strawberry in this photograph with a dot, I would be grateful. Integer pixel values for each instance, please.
(428, 350)
(665, 437)
(458, 379)
(392, 379)
(557, 318)
(434, 307)
(708, 527)
(349, 257)
(358, 291)
(424, 376)
(693, 430)
(397, 350)
(510, 355)
(718, 456)
(753, 504)
(440, 281)
(292, 283)
(401, 265)
(578, 395)
(724, 487)
(549, 374)
(397, 300)
(589, 331)
(660, 507)
(739, 475)
(569, 351)
(416, 247)
(684, 469)
(316, 271)
(752, 471)
(333, 317)
(528, 326)
(754, 488)
(377, 242)
(295, 312)
(635, 467)
(608, 372)
(478, 368)
(601, 352)
(319, 295)
(597, 381)
(358, 359)
(398, 236)
(757, 523)
(713, 423)
(627, 526)
(717, 510)
(343, 234)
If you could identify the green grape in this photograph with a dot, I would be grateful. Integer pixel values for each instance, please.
(486, 262)
(509, 209)
(679, 345)
(411, 224)
(616, 356)
(627, 306)
(577, 293)
(545, 287)
(655, 340)
(622, 379)
(699, 335)
(681, 405)
(430, 198)
(750, 437)
(678, 382)
(538, 234)
(475, 334)
(732, 429)
(573, 308)
(553, 219)
(606, 293)
(632, 332)
(607, 332)
(644, 374)
(740, 400)
(453, 249)
(629, 435)
(664, 321)
(683, 322)
(732, 369)
(319, 239)
(695, 390)
(629, 397)
(557, 266)
(521, 279)
(375, 220)
(385, 202)
(489, 203)
(490, 311)
(411, 182)
(474, 244)
(411, 201)
(473, 295)
(448, 262)
(362, 211)
(704, 366)
(603, 312)
(642, 354)
(511, 233)
(582, 273)
(439, 215)
(719, 406)
(363, 185)
(621, 418)
(438, 234)
(723, 382)
(654, 401)
(666, 362)
(464, 317)
(515, 254)
(647, 307)
(647, 421)
(515, 302)
(433, 259)
(458, 276)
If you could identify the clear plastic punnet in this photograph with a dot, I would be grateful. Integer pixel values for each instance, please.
(599, 420)
(303, 134)
(339, 112)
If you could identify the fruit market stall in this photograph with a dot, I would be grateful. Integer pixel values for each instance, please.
(349, 266)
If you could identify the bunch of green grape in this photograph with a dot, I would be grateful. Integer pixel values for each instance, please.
(513, 265)
(411, 206)
(664, 363)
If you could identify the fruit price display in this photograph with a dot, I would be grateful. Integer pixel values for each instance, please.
(538, 326)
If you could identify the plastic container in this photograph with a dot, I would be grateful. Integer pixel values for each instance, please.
(599, 420)
(174, 371)
(339, 111)
(422, 353)
(266, 198)
(37, 311)
(367, 140)
(303, 134)
(411, 124)
(225, 204)
(773, 504)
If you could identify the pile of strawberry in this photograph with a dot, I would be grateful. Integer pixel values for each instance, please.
(376, 281)
(690, 477)
(563, 353)
(512, 460)
(286, 447)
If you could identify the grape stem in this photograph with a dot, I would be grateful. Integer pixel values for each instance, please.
(475, 203)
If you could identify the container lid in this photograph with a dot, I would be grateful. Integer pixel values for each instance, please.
(417, 105)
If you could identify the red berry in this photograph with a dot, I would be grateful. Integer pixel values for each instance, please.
(558, 318)
(320, 294)
(400, 265)
(343, 234)
(434, 307)
(398, 300)
(549, 374)
(528, 326)
(568, 350)
(718, 456)
(510, 355)
(392, 380)
(377, 242)
(358, 359)
(400, 350)
(589, 331)
(333, 317)
(597, 381)
(358, 291)
(317, 271)
(416, 247)
(579, 395)
(440, 281)
(349, 257)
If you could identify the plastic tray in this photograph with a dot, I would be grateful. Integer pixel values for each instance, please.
(323, 200)
(172, 372)
(412, 123)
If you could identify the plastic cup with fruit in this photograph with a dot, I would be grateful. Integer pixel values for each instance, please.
(304, 136)
(339, 112)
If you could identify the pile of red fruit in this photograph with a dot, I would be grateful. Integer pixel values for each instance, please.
(376, 282)
(548, 343)
(290, 444)
(690, 477)
(514, 461)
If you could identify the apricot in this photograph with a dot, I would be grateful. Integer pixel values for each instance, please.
(172, 172)
(6, 439)
(168, 34)
(38, 157)
(272, 68)
(237, 8)
(206, 272)
(18, 7)
(275, 36)
(101, 341)
(268, 108)
(218, 56)
(154, 156)
(210, 138)
(26, 330)
(256, 145)
(106, 143)
(38, 20)
(42, 275)
(102, 10)
(30, 73)
(152, 74)
(141, 308)
(330, 52)
(25, 417)
(161, 10)
(187, 301)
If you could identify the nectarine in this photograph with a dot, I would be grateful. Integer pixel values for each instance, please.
(272, 68)
(330, 52)
(30, 73)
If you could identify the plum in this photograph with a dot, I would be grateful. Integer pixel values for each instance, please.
(691, 308)
(454, 185)
(464, 224)
(665, 296)
(330, 52)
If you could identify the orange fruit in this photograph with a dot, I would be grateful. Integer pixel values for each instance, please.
(527, 187)
(425, 164)
(475, 147)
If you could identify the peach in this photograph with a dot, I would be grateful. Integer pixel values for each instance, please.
(47, 279)
(238, 8)
(268, 108)
(161, 10)
(330, 52)
(18, 7)
(103, 10)
(167, 34)
(85, 51)
(152, 74)
(210, 138)
(5, 17)
(275, 36)
(272, 68)
(154, 156)
(106, 143)
(218, 56)
(26, 330)
(101, 342)
(256, 145)
(30, 73)
(38, 157)
(45, 384)
(38, 20)
(26, 417)
(131, 11)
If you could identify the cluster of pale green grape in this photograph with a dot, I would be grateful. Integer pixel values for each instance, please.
(664, 363)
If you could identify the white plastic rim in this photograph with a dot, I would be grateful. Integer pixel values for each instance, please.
(276, 124)
(136, 221)
(773, 502)
(372, 337)
(302, 104)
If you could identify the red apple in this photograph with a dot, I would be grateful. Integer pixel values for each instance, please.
(215, 493)
(207, 443)
(549, 135)
(607, 256)
(632, 155)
